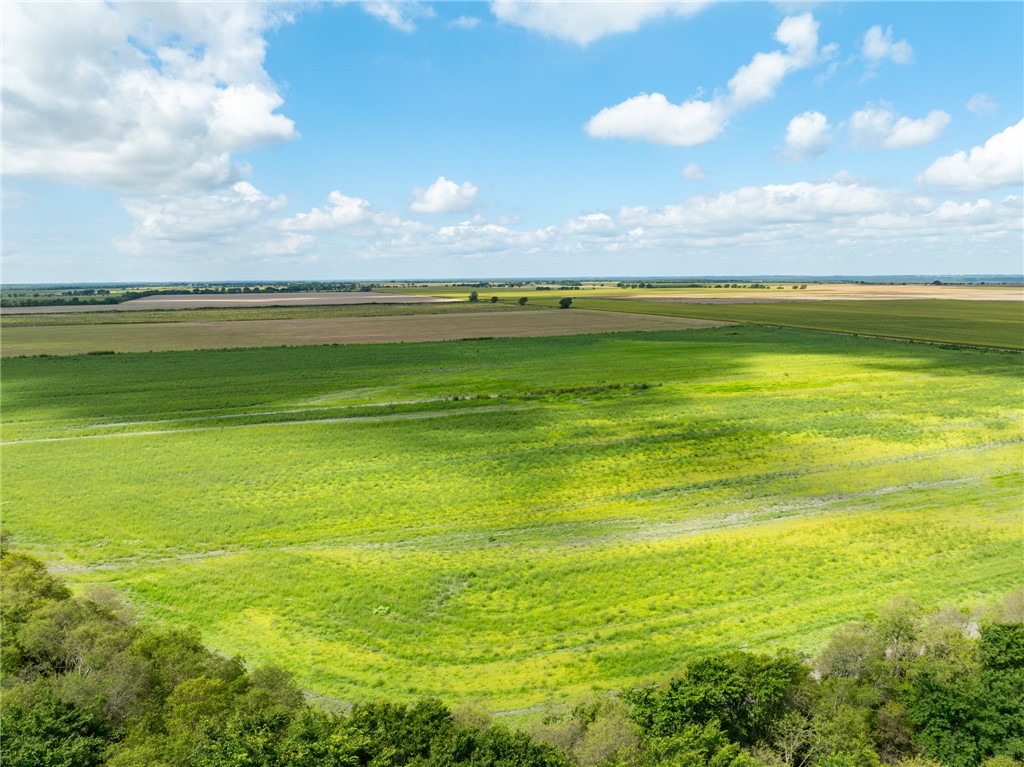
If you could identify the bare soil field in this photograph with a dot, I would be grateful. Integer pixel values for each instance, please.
(233, 300)
(83, 339)
(846, 292)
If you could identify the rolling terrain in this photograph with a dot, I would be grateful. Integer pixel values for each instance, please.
(517, 520)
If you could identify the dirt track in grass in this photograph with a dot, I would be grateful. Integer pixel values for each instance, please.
(83, 339)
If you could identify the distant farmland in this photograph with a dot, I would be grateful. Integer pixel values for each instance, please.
(156, 336)
(997, 324)
(517, 520)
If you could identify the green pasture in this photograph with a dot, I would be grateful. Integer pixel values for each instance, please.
(519, 520)
(997, 324)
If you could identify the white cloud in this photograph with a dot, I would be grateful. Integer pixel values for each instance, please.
(444, 196)
(140, 96)
(749, 208)
(772, 224)
(878, 127)
(599, 224)
(585, 22)
(980, 104)
(652, 117)
(878, 45)
(464, 22)
(759, 79)
(198, 221)
(694, 172)
(343, 211)
(999, 162)
(808, 135)
(399, 15)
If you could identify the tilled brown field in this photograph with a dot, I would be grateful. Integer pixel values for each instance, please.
(82, 339)
(233, 300)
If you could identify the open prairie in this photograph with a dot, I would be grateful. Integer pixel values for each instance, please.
(517, 520)
(157, 336)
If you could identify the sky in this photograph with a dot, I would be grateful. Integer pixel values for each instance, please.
(206, 141)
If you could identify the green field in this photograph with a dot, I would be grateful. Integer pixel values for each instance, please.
(517, 520)
(996, 324)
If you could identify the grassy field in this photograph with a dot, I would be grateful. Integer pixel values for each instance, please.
(517, 520)
(179, 336)
(996, 324)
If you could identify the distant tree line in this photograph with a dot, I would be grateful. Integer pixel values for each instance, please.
(86, 685)
(79, 296)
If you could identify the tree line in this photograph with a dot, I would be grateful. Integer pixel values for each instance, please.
(84, 684)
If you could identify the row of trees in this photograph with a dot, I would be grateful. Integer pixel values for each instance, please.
(84, 684)
(78, 296)
(474, 297)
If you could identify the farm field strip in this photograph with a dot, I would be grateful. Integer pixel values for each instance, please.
(245, 313)
(993, 324)
(783, 291)
(82, 339)
(228, 300)
(603, 507)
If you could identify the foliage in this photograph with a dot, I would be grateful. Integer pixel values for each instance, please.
(161, 699)
(742, 693)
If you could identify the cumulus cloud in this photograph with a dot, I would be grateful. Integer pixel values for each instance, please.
(694, 172)
(583, 23)
(775, 221)
(444, 196)
(140, 96)
(808, 135)
(878, 46)
(999, 162)
(759, 79)
(756, 206)
(980, 104)
(652, 117)
(879, 127)
(198, 220)
(343, 211)
(599, 224)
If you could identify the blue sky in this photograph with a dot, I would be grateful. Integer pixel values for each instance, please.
(217, 141)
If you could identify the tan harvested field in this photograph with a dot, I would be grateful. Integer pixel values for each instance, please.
(233, 300)
(844, 292)
(82, 339)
